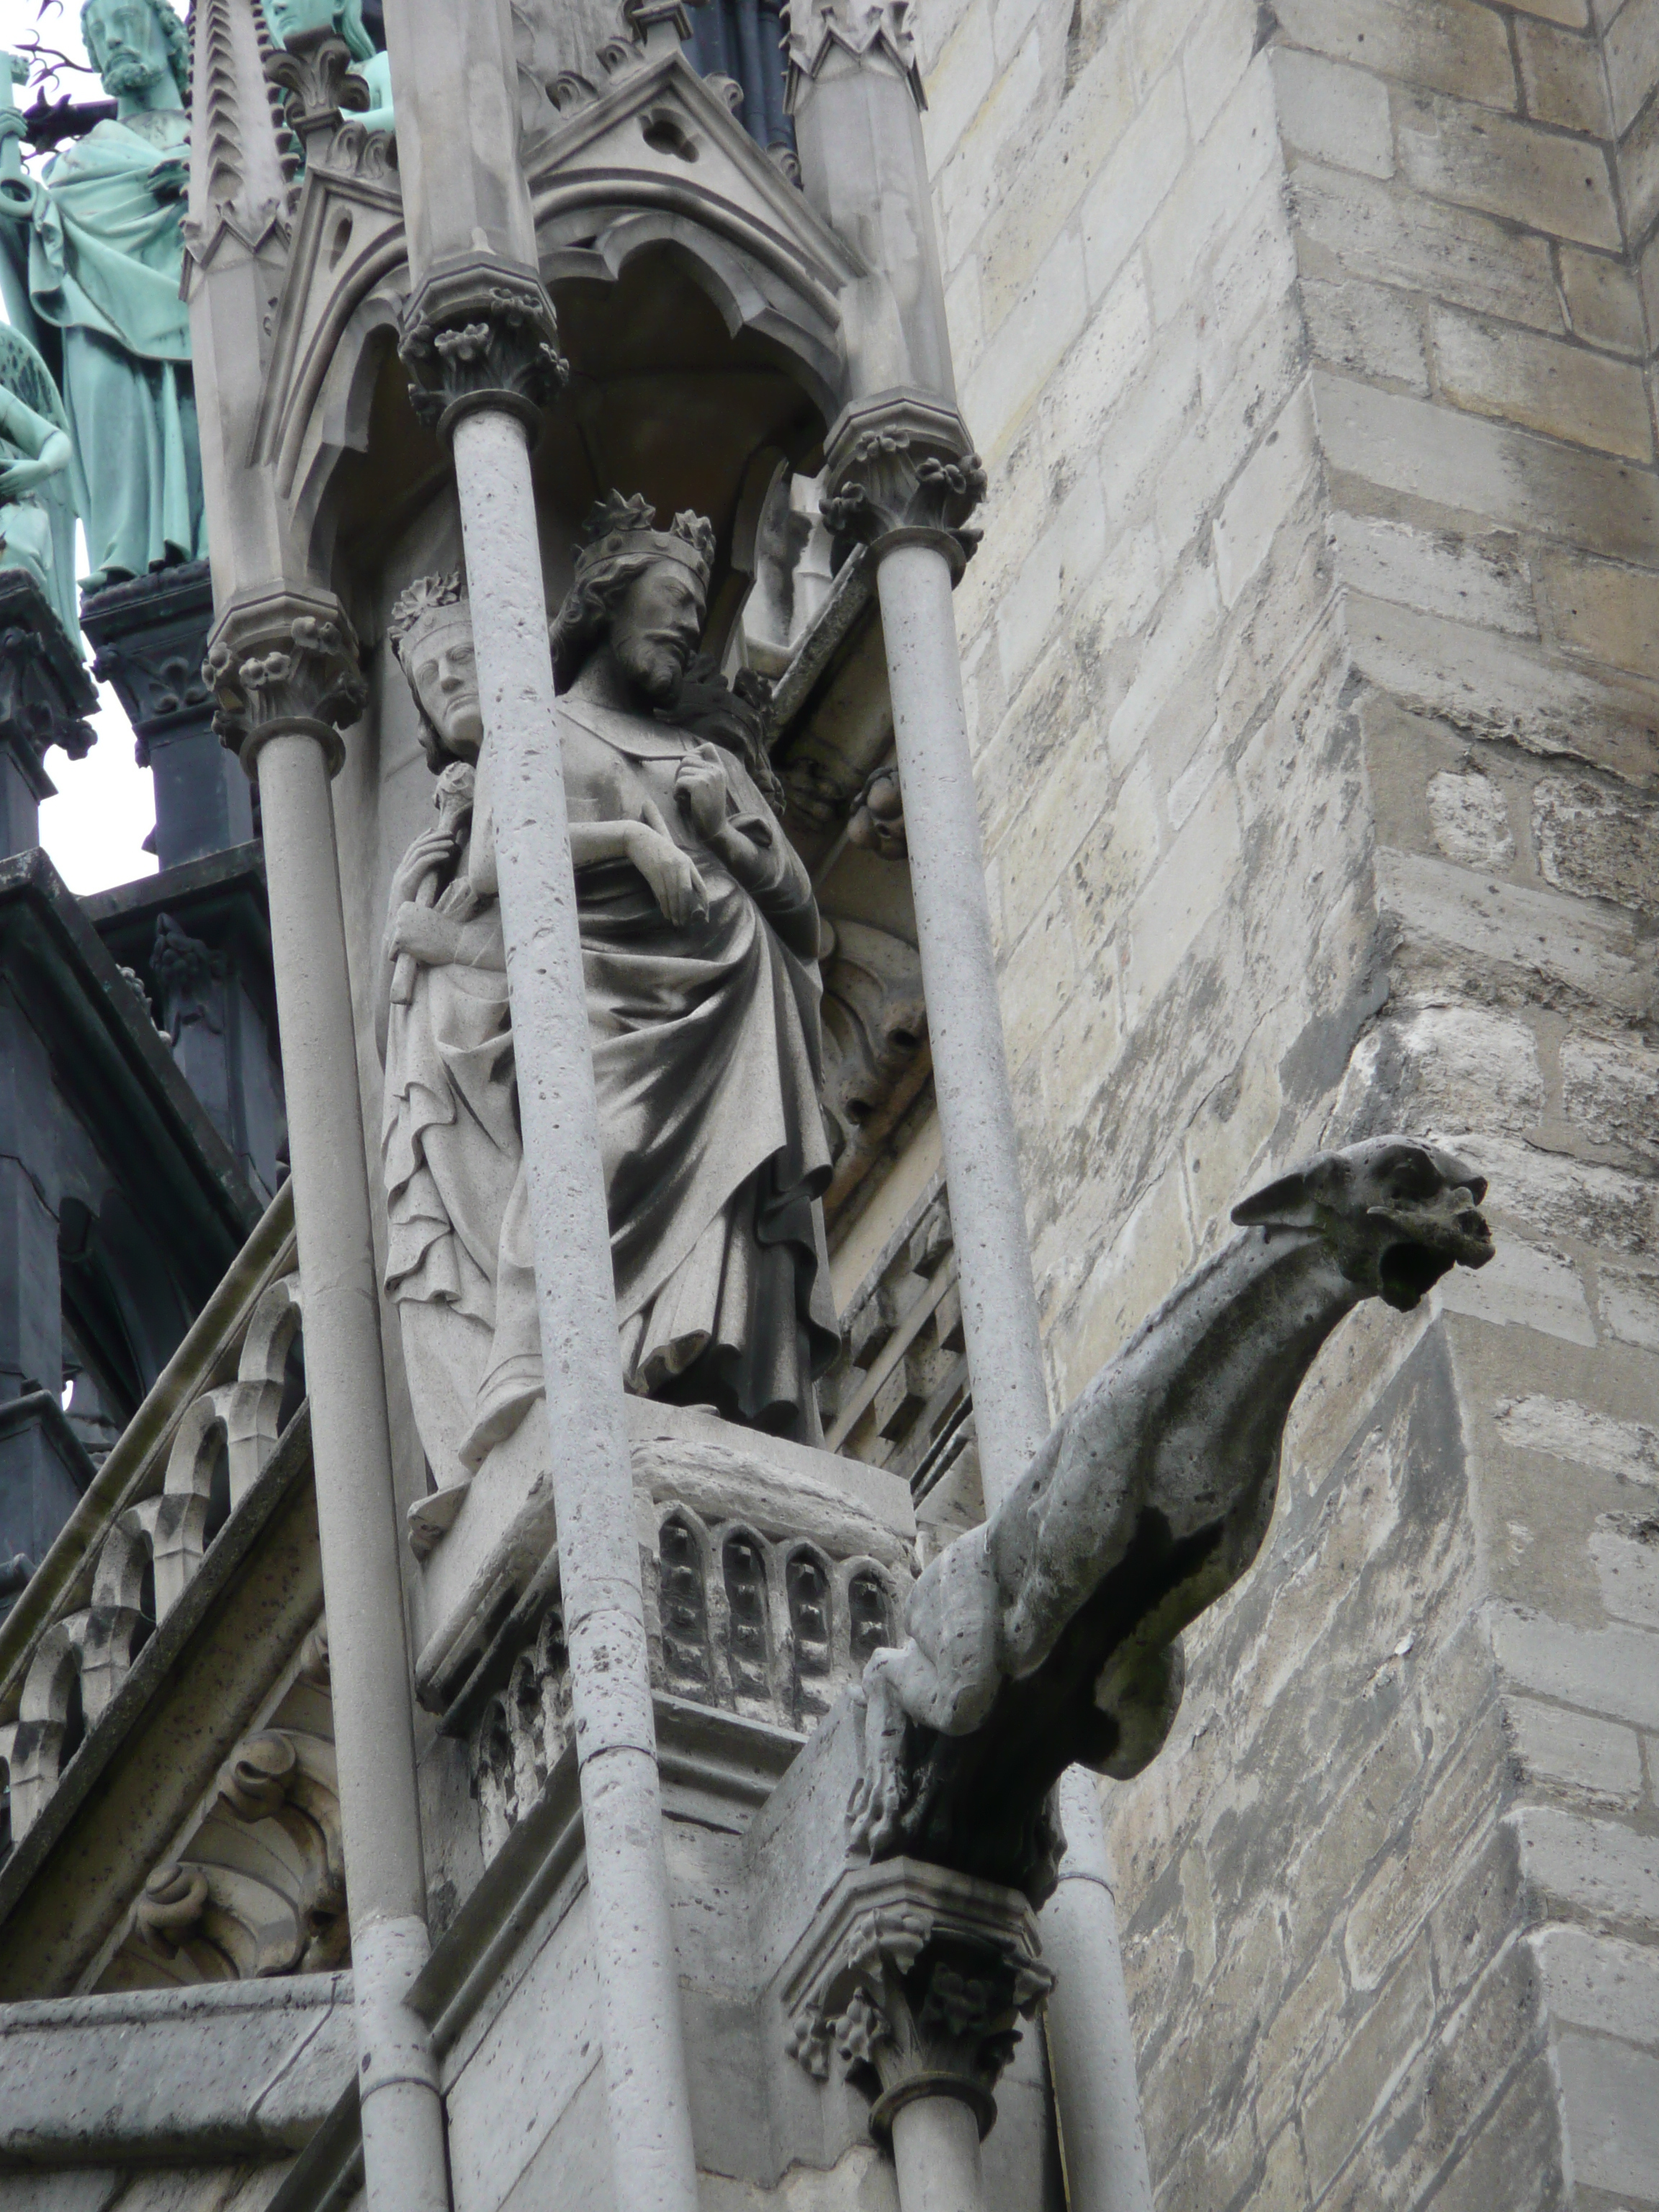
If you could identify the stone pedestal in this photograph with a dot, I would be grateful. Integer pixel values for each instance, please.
(46, 695)
(151, 636)
(199, 937)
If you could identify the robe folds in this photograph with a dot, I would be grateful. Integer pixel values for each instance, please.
(706, 1065)
(103, 251)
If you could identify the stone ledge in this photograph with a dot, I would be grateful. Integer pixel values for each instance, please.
(219, 2072)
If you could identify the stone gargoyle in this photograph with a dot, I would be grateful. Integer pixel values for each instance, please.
(1050, 1635)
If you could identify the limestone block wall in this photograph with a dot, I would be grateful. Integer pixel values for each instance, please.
(1311, 652)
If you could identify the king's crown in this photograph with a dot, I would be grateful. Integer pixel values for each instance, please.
(618, 526)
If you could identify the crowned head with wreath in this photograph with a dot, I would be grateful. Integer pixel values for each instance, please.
(640, 592)
(430, 630)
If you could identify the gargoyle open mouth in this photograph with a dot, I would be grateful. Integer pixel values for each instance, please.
(1406, 1273)
(1451, 1232)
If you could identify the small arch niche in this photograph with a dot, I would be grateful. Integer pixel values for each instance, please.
(664, 133)
(339, 240)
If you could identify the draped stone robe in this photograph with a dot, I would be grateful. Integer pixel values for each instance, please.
(707, 1066)
(98, 263)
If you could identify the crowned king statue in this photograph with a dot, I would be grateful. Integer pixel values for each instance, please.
(698, 941)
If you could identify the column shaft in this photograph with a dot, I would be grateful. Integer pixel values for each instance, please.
(403, 2148)
(655, 2162)
(1088, 2014)
(936, 2152)
(964, 1014)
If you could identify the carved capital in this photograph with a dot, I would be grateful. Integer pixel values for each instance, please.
(902, 472)
(861, 28)
(45, 693)
(481, 336)
(284, 664)
(914, 1980)
(314, 70)
(323, 94)
(149, 634)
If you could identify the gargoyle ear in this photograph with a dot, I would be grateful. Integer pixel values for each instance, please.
(1289, 1202)
(1274, 1201)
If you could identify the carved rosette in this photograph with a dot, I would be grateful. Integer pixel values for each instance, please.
(915, 1980)
(482, 337)
(281, 666)
(906, 481)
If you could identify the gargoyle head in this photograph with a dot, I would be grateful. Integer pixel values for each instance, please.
(1397, 1214)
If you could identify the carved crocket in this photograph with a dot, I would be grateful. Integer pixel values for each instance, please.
(1049, 1636)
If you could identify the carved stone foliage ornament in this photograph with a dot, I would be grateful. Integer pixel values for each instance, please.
(915, 1981)
(482, 338)
(282, 666)
(895, 484)
(858, 27)
(316, 71)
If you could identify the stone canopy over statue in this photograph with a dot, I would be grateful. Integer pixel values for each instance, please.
(699, 936)
(91, 255)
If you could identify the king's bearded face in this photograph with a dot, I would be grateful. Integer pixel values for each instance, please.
(443, 669)
(655, 628)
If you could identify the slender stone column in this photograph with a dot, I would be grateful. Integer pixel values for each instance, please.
(504, 351)
(284, 670)
(901, 479)
(936, 2153)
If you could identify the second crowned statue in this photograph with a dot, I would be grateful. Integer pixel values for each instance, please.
(699, 938)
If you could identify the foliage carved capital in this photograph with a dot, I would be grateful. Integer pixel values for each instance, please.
(915, 1980)
(283, 665)
(901, 472)
(481, 336)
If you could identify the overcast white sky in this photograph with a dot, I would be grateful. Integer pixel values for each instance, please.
(94, 828)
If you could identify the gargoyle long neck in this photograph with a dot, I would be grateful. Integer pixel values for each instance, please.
(1228, 1352)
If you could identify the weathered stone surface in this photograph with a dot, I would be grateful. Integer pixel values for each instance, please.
(1629, 1302)
(1332, 112)
(1624, 1551)
(1458, 48)
(1451, 151)
(1610, 1091)
(247, 2069)
(1401, 239)
(1605, 609)
(1610, 1671)
(1563, 390)
(1595, 1867)
(1471, 821)
(1596, 1757)
(1597, 842)
(1584, 1436)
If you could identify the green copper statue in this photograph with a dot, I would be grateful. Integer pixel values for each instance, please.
(345, 17)
(91, 257)
(37, 514)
